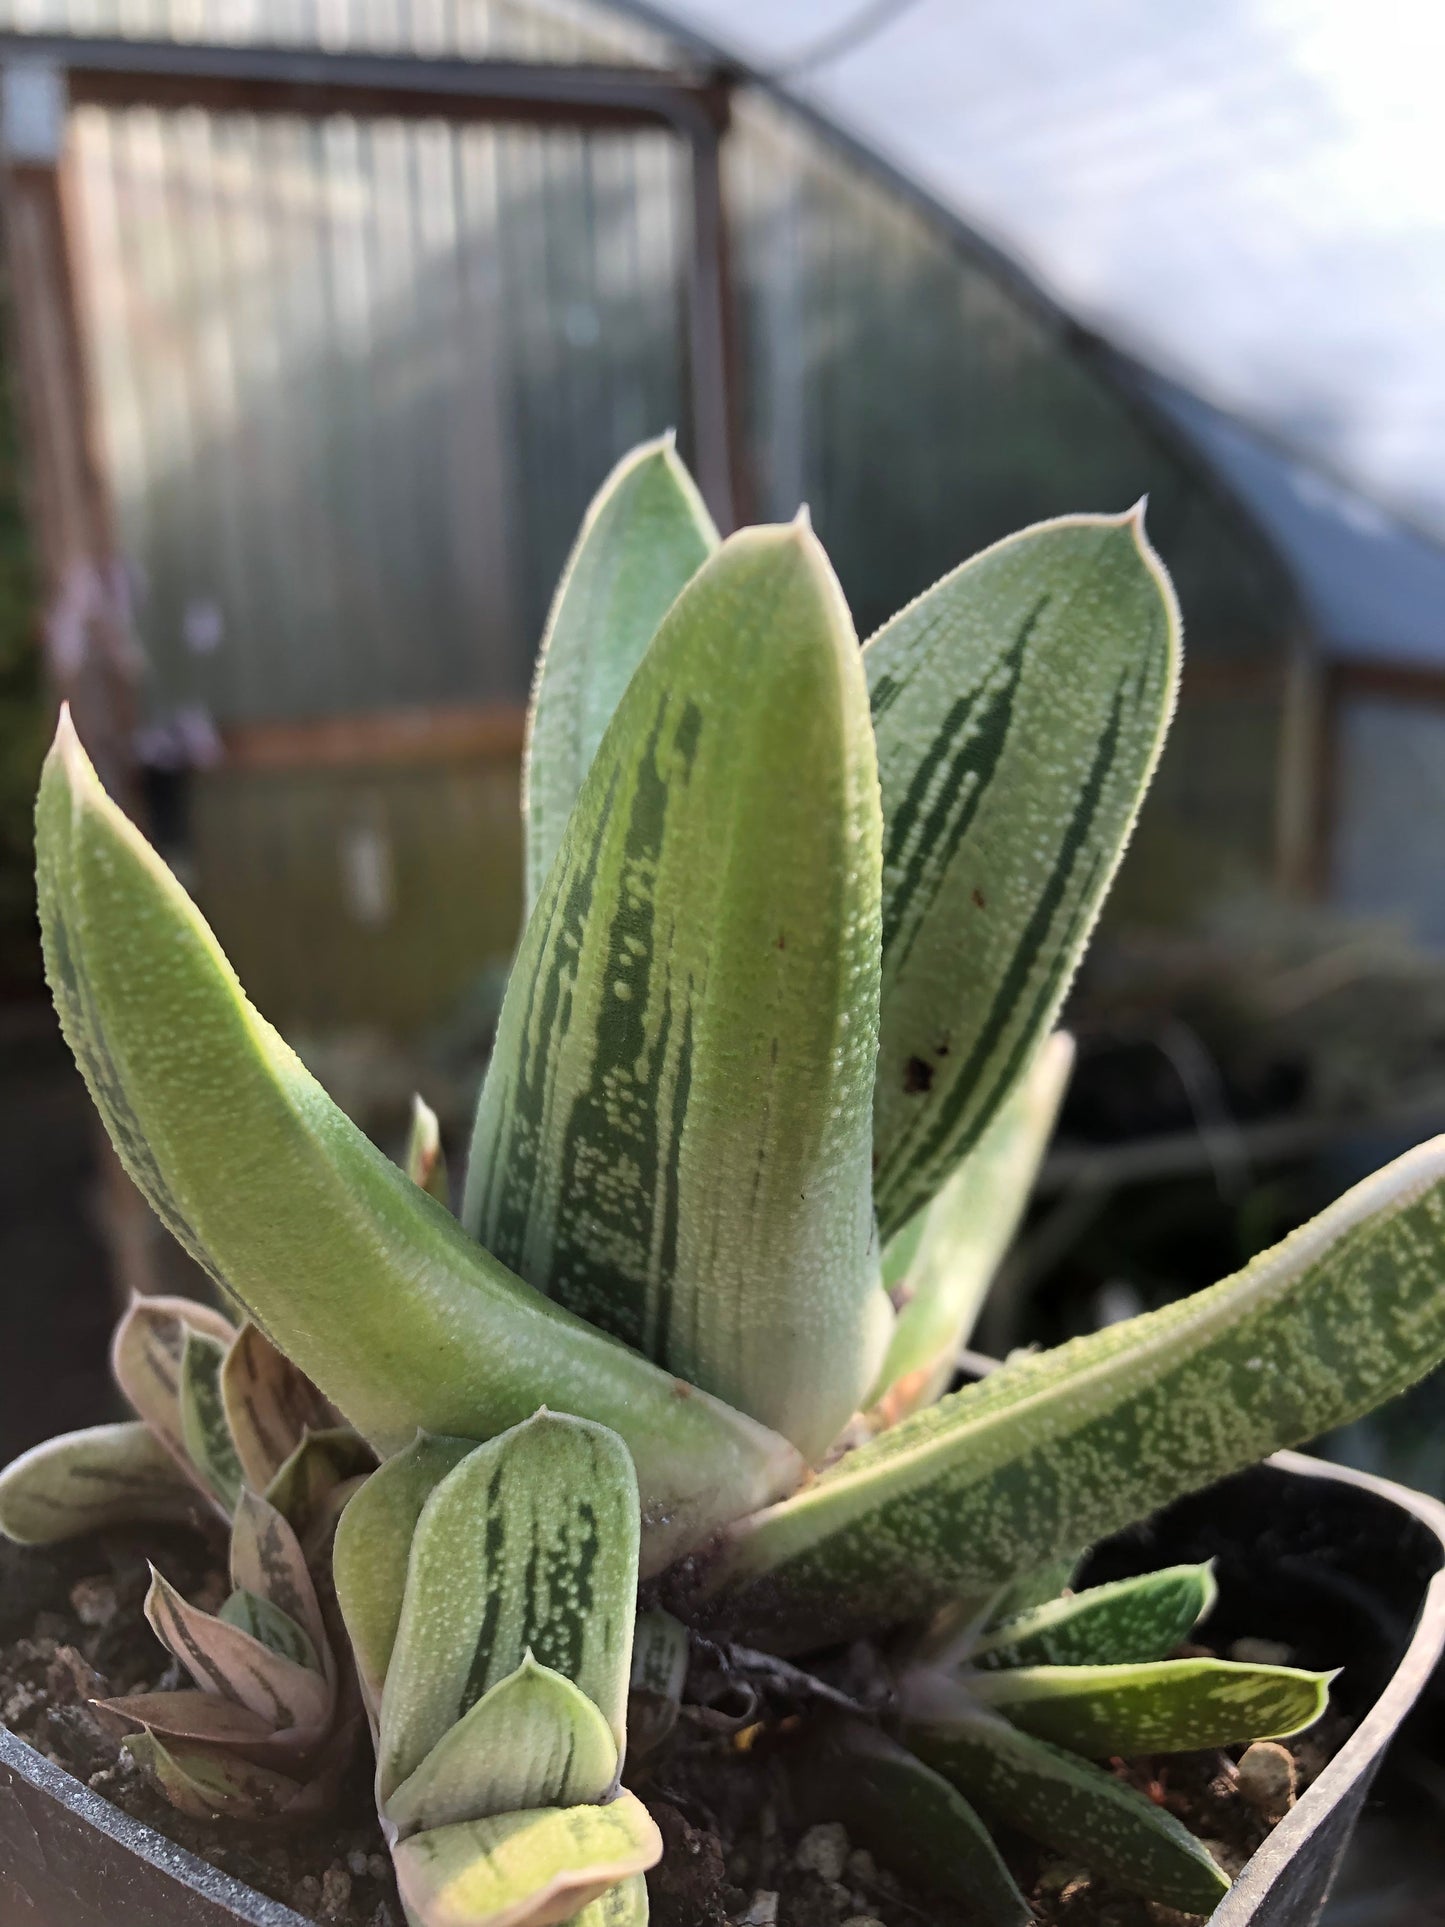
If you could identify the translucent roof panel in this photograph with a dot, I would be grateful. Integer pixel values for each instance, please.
(1247, 196)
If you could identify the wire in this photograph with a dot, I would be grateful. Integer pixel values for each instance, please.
(869, 20)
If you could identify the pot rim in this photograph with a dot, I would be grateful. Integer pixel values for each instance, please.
(1368, 1741)
(250, 1907)
(1356, 1757)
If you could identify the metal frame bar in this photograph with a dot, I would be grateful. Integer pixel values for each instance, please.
(313, 83)
(310, 80)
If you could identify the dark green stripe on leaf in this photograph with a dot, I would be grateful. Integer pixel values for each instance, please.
(674, 1137)
(1051, 660)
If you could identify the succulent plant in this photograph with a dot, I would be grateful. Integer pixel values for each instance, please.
(490, 1593)
(227, 1427)
(775, 1065)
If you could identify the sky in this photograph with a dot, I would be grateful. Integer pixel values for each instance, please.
(1248, 195)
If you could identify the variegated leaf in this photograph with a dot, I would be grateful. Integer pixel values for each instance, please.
(624, 1905)
(659, 1670)
(145, 1357)
(365, 1282)
(210, 1785)
(1033, 1588)
(966, 1232)
(524, 1869)
(532, 1740)
(81, 1482)
(267, 1560)
(911, 1819)
(301, 1489)
(1167, 1706)
(207, 1437)
(206, 1719)
(1063, 1447)
(224, 1659)
(270, 1405)
(1128, 1620)
(530, 1544)
(673, 1138)
(952, 1634)
(277, 1631)
(424, 1163)
(373, 1546)
(1074, 1807)
(645, 535)
(1020, 706)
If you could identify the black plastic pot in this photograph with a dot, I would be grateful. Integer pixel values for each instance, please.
(1350, 1570)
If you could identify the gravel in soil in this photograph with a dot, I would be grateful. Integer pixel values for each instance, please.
(739, 1850)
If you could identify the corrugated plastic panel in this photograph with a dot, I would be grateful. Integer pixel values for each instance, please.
(358, 381)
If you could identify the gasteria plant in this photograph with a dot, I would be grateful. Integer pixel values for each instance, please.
(773, 1073)
(228, 1427)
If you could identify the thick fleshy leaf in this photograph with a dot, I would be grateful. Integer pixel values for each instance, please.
(624, 1905)
(1020, 706)
(270, 1405)
(529, 1545)
(1128, 1620)
(302, 1488)
(424, 1163)
(1167, 1706)
(966, 1232)
(659, 1670)
(532, 1740)
(1074, 1807)
(645, 535)
(210, 1785)
(277, 1631)
(146, 1356)
(108, 1475)
(911, 1819)
(363, 1280)
(1034, 1588)
(206, 1719)
(524, 1869)
(1064, 1447)
(267, 1560)
(225, 1659)
(207, 1436)
(674, 1133)
(373, 1546)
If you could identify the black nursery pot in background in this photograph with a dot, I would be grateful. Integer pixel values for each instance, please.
(1348, 1569)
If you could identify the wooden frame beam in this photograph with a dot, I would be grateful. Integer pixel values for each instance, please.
(390, 738)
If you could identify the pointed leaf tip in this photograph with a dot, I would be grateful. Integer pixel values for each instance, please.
(713, 913)
(66, 739)
(1020, 706)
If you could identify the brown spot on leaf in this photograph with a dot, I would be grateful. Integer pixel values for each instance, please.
(917, 1076)
(978, 898)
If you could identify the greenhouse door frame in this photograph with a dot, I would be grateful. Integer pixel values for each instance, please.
(46, 74)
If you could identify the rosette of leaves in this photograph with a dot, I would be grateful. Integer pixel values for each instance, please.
(490, 1592)
(227, 1427)
(772, 1073)
(1004, 1715)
